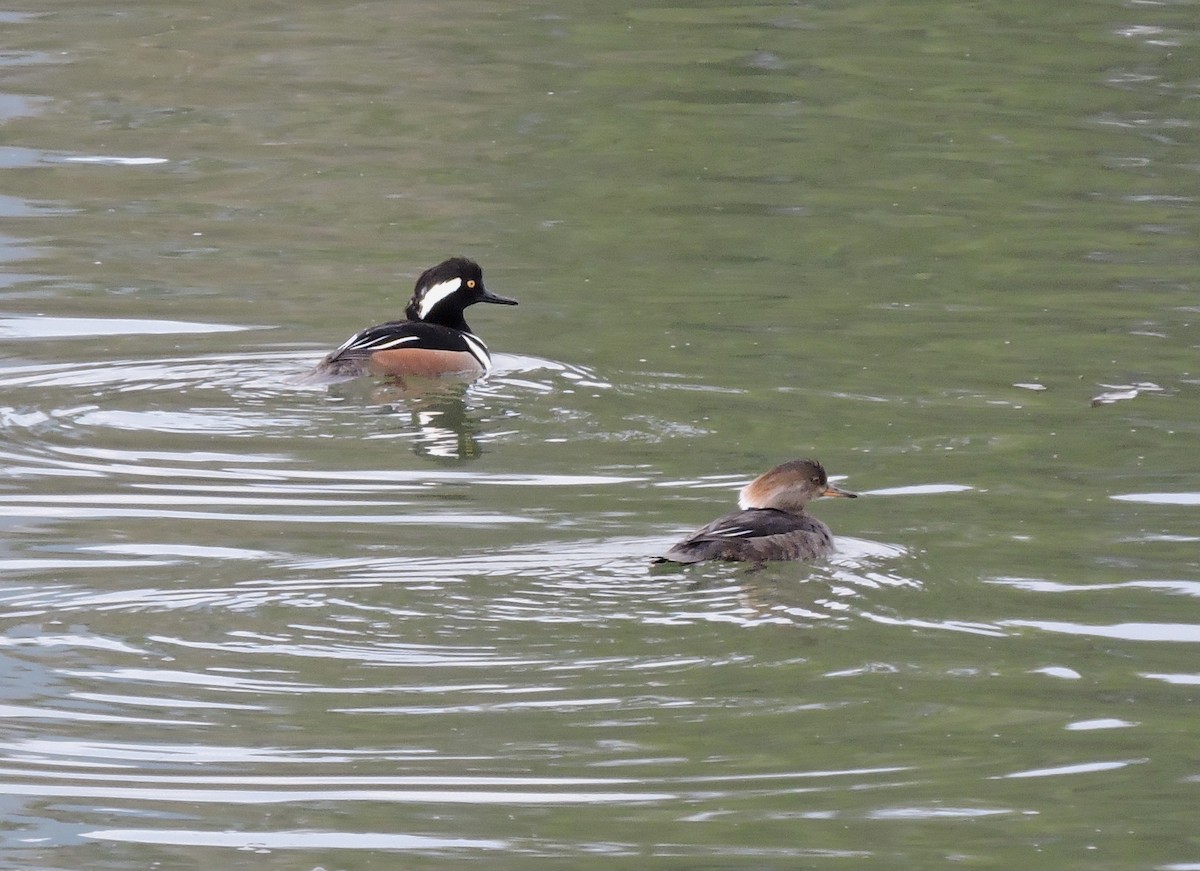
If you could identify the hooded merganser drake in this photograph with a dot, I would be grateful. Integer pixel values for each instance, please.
(434, 338)
(772, 524)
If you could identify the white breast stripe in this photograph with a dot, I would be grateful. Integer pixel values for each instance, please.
(436, 294)
(478, 350)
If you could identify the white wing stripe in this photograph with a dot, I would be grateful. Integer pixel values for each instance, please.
(358, 342)
(732, 532)
(383, 345)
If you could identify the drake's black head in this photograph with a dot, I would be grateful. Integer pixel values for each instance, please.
(445, 290)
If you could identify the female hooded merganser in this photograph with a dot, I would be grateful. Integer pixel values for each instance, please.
(772, 524)
(434, 338)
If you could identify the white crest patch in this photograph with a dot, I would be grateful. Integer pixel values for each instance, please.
(436, 294)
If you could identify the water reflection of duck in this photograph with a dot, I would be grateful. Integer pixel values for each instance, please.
(772, 524)
(432, 414)
(434, 338)
(445, 430)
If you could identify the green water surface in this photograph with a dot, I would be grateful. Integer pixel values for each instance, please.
(948, 249)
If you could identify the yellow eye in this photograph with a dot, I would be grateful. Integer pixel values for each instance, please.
(471, 283)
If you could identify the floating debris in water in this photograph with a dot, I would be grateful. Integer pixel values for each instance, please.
(1117, 392)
